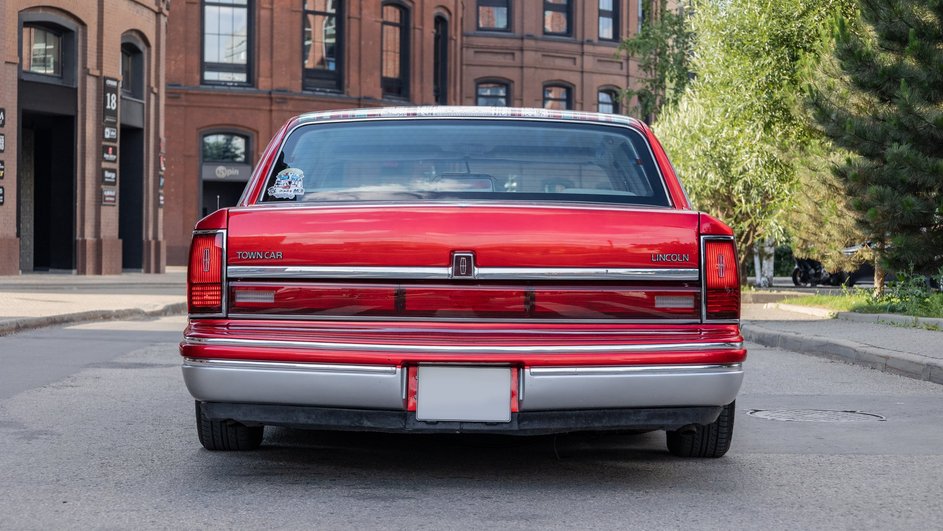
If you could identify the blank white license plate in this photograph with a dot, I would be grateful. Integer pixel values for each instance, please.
(464, 394)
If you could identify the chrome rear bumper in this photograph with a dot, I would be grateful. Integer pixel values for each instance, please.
(374, 387)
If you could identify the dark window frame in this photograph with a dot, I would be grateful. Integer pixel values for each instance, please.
(491, 81)
(440, 59)
(134, 87)
(614, 94)
(397, 87)
(321, 78)
(68, 35)
(568, 101)
(614, 16)
(566, 9)
(492, 3)
(249, 66)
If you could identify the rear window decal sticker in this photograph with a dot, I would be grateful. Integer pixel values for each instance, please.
(289, 183)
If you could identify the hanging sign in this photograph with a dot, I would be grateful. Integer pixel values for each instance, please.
(3, 117)
(109, 176)
(109, 153)
(3, 142)
(110, 133)
(110, 100)
(3, 169)
(1, 195)
(109, 196)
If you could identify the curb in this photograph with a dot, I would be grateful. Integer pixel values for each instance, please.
(32, 323)
(890, 361)
(805, 310)
(887, 318)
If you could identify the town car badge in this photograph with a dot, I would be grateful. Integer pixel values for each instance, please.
(289, 183)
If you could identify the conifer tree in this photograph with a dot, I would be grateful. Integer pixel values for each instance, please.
(879, 96)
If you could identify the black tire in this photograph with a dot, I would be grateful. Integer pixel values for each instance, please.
(797, 278)
(711, 440)
(226, 435)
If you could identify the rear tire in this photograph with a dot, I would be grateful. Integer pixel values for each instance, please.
(226, 435)
(711, 440)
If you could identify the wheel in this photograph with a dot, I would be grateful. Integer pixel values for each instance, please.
(797, 278)
(226, 435)
(711, 440)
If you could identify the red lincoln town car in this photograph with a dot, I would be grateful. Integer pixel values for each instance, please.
(453, 269)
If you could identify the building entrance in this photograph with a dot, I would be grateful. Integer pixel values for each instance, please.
(131, 198)
(46, 188)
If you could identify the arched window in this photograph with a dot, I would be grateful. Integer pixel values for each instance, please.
(42, 51)
(225, 147)
(323, 42)
(395, 51)
(607, 101)
(492, 93)
(132, 71)
(558, 97)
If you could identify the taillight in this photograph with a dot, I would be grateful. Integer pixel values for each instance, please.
(205, 274)
(721, 280)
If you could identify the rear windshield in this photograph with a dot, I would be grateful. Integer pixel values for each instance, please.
(409, 160)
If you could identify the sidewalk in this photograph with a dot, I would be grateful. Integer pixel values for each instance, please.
(44, 299)
(908, 351)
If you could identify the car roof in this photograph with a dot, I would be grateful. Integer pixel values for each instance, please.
(448, 111)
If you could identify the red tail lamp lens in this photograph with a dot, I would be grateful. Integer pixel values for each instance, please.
(205, 274)
(723, 280)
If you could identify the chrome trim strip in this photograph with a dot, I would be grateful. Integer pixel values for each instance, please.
(468, 349)
(615, 371)
(585, 273)
(356, 318)
(444, 273)
(282, 366)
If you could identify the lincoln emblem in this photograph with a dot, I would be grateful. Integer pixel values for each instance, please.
(463, 264)
(721, 266)
(206, 260)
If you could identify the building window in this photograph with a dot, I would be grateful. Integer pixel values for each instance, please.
(557, 15)
(132, 71)
(440, 61)
(42, 51)
(492, 94)
(608, 102)
(225, 147)
(226, 38)
(558, 97)
(493, 15)
(395, 51)
(323, 44)
(609, 20)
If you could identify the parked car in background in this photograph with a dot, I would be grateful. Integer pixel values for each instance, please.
(473, 270)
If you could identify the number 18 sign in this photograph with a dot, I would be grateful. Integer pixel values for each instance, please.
(110, 100)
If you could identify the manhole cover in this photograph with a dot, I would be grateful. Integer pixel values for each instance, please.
(814, 415)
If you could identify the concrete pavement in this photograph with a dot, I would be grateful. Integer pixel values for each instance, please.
(47, 299)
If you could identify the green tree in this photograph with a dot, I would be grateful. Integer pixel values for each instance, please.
(879, 96)
(661, 49)
(736, 131)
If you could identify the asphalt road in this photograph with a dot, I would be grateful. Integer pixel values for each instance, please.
(96, 431)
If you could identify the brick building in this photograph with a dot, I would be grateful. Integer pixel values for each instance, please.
(81, 93)
(237, 69)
